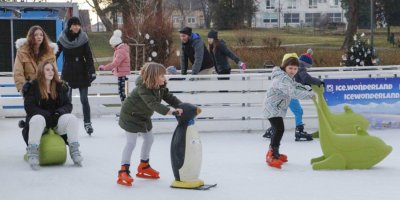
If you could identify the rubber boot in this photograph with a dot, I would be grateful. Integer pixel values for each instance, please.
(75, 153)
(268, 133)
(32, 152)
(124, 177)
(301, 135)
(273, 158)
(145, 171)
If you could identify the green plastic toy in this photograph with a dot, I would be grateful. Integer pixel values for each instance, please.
(52, 149)
(341, 123)
(347, 151)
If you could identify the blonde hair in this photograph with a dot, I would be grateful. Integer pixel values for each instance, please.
(150, 73)
(41, 79)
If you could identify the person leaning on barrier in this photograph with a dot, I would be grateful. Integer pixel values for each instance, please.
(193, 49)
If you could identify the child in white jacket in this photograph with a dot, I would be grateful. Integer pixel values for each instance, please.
(282, 90)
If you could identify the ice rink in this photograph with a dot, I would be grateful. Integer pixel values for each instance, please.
(234, 160)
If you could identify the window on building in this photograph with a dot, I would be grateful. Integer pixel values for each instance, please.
(312, 18)
(312, 3)
(176, 19)
(335, 17)
(191, 20)
(270, 4)
(291, 4)
(270, 18)
(321, 1)
(334, 3)
(292, 17)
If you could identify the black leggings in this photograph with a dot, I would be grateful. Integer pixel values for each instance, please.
(121, 87)
(83, 93)
(278, 127)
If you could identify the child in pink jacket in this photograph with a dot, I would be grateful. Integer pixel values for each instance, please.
(120, 65)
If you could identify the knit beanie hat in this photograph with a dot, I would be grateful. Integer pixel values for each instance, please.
(289, 55)
(116, 38)
(306, 58)
(73, 21)
(213, 34)
(186, 30)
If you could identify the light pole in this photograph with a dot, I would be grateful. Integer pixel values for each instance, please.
(372, 26)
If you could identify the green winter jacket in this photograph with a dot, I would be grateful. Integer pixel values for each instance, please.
(139, 106)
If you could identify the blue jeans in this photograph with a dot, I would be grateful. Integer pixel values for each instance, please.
(297, 110)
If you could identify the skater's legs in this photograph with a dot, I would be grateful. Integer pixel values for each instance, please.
(297, 110)
(36, 127)
(148, 139)
(278, 127)
(129, 147)
(68, 124)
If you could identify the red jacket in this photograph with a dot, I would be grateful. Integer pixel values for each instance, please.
(121, 64)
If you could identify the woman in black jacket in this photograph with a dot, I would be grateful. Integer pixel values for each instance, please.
(48, 105)
(78, 69)
(220, 53)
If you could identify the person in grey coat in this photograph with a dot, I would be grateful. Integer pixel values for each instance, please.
(193, 49)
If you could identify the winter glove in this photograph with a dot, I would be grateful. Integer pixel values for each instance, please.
(52, 120)
(242, 65)
(92, 77)
(321, 83)
(102, 67)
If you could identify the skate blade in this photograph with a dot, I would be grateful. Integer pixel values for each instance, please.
(122, 182)
(275, 165)
(141, 175)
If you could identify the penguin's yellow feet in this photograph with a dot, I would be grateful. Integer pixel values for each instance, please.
(145, 171)
(187, 184)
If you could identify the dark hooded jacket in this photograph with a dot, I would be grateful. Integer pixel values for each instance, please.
(195, 51)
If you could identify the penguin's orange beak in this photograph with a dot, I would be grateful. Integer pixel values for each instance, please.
(198, 110)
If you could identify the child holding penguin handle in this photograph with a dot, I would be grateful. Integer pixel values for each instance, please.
(135, 118)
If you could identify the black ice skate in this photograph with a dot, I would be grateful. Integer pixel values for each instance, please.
(268, 133)
(301, 135)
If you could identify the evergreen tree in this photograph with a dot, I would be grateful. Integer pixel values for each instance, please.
(360, 53)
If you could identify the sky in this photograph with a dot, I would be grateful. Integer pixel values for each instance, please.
(82, 6)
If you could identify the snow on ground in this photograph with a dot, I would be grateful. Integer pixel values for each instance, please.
(236, 161)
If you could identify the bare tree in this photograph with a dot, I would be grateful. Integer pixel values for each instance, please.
(205, 5)
(102, 13)
(351, 7)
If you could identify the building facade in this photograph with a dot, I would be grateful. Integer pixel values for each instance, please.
(185, 13)
(298, 13)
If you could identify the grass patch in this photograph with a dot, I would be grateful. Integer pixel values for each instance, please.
(326, 45)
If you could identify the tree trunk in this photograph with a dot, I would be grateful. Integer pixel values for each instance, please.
(352, 21)
(102, 15)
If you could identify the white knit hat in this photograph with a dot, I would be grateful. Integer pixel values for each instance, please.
(116, 38)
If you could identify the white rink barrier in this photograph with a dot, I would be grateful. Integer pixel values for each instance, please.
(227, 105)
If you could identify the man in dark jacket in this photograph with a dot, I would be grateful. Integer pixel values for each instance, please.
(193, 49)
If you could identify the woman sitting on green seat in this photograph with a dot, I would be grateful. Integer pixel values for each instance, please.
(48, 105)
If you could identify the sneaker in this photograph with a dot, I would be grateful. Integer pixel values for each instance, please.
(88, 128)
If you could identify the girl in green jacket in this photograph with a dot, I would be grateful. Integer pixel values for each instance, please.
(135, 118)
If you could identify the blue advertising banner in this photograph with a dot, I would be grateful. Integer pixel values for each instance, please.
(378, 99)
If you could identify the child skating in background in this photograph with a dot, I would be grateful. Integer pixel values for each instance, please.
(135, 118)
(121, 64)
(303, 77)
(282, 90)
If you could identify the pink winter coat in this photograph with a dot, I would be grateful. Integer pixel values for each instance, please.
(121, 64)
